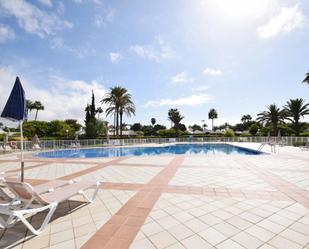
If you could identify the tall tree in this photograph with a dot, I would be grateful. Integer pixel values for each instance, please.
(272, 116)
(73, 123)
(127, 107)
(99, 111)
(212, 115)
(119, 102)
(136, 127)
(246, 118)
(88, 121)
(294, 110)
(92, 106)
(306, 80)
(153, 121)
(196, 127)
(175, 117)
(38, 106)
(113, 107)
(93, 127)
(29, 105)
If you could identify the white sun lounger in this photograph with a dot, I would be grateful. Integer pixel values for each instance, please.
(49, 186)
(32, 202)
(9, 201)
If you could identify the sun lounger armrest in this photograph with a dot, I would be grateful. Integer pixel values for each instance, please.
(33, 210)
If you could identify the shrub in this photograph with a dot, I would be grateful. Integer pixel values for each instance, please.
(136, 127)
(229, 133)
(253, 129)
(298, 144)
(304, 134)
(139, 133)
(167, 133)
(159, 127)
(55, 128)
(182, 127)
(41, 128)
(147, 130)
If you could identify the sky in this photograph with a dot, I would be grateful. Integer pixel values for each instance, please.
(236, 56)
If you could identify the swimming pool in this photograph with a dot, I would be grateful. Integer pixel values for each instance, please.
(174, 149)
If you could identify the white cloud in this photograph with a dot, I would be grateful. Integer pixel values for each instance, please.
(286, 21)
(48, 3)
(212, 71)
(193, 100)
(57, 42)
(181, 78)
(98, 2)
(115, 57)
(200, 89)
(158, 51)
(6, 33)
(106, 17)
(61, 8)
(81, 52)
(63, 98)
(32, 19)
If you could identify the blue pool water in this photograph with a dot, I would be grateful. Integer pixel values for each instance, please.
(188, 149)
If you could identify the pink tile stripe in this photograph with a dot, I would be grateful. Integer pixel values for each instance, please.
(121, 229)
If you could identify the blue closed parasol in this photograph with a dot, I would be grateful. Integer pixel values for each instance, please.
(16, 110)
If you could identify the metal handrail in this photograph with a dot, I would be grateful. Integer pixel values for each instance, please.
(60, 144)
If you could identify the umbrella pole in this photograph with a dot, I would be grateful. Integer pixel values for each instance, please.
(22, 151)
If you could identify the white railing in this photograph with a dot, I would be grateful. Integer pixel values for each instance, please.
(60, 144)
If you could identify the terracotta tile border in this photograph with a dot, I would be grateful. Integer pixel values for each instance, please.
(120, 231)
(76, 162)
(141, 165)
(122, 186)
(9, 160)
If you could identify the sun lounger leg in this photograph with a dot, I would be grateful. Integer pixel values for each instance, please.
(52, 208)
(11, 220)
(4, 223)
(94, 194)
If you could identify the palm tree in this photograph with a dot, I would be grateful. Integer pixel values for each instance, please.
(246, 118)
(99, 111)
(295, 109)
(212, 115)
(37, 105)
(175, 117)
(29, 105)
(120, 102)
(306, 80)
(273, 115)
(113, 109)
(127, 107)
(153, 121)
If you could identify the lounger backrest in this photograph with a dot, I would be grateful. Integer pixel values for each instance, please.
(3, 195)
(23, 191)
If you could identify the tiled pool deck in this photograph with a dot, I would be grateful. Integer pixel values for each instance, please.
(175, 202)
